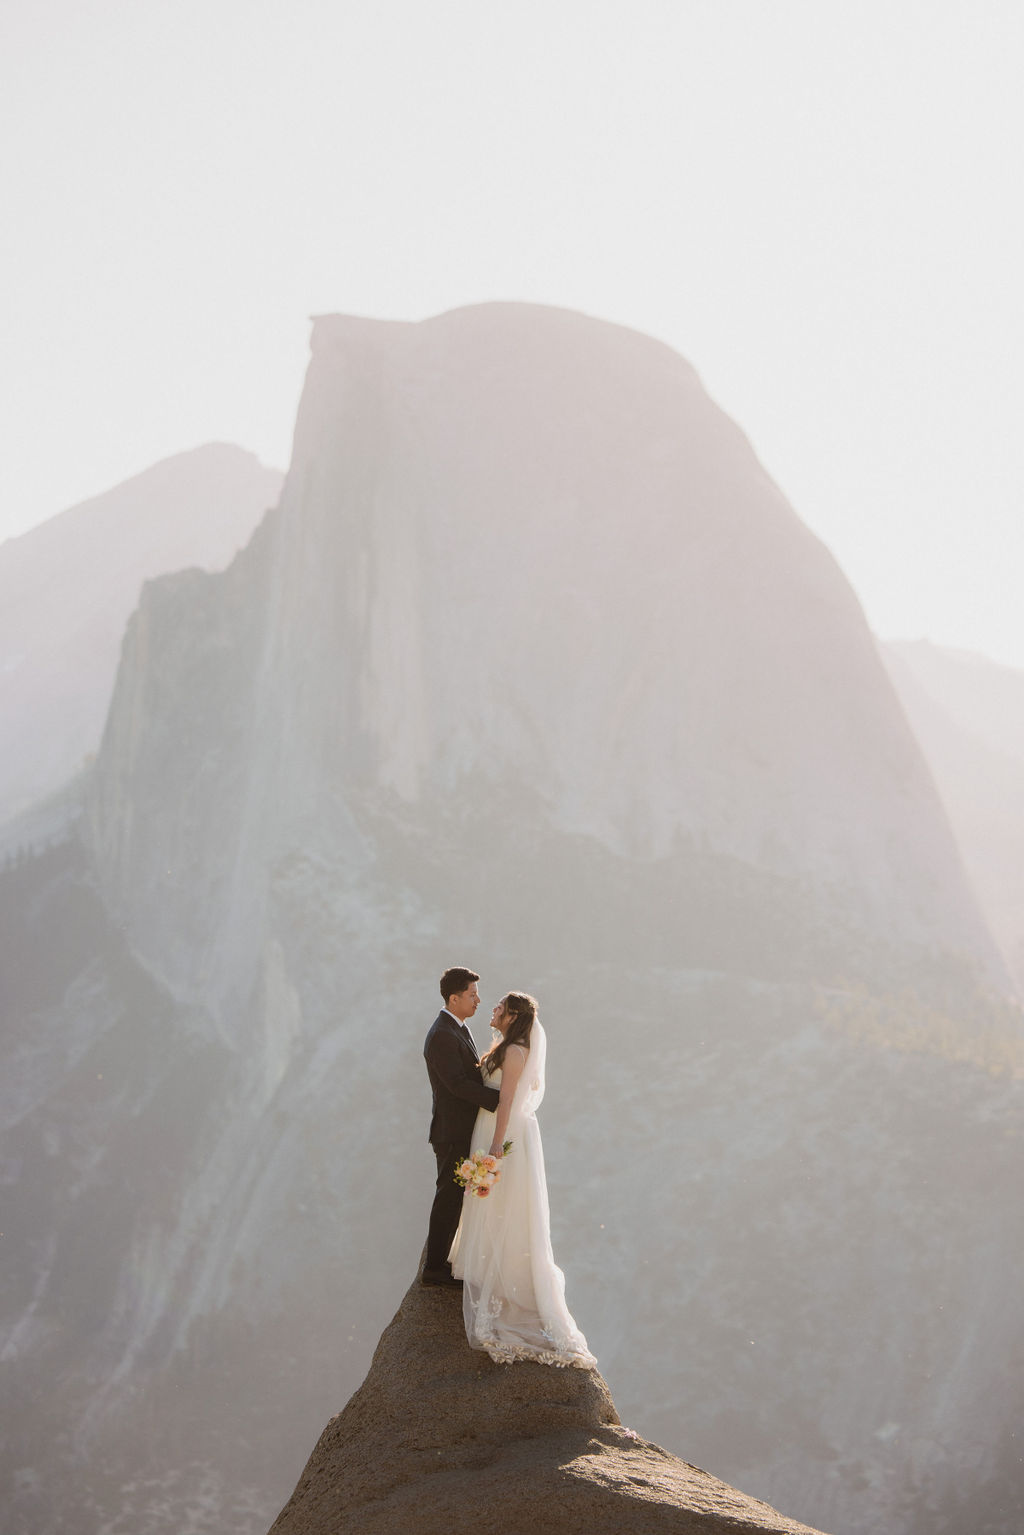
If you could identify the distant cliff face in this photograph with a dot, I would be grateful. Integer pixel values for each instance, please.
(68, 586)
(531, 668)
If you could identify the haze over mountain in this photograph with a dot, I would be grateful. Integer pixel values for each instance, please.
(68, 586)
(968, 715)
(532, 667)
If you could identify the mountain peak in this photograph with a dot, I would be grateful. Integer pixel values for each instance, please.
(439, 1438)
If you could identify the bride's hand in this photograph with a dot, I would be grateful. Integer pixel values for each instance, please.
(495, 1151)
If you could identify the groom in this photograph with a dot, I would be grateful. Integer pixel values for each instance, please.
(453, 1067)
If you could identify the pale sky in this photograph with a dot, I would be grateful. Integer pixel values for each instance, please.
(818, 203)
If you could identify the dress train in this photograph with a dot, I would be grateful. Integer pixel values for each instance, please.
(513, 1294)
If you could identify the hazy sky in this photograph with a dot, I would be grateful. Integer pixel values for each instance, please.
(818, 203)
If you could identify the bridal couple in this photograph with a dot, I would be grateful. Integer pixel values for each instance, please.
(496, 1249)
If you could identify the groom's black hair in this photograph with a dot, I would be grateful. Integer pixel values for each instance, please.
(456, 979)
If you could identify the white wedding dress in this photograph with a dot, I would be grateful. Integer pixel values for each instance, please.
(513, 1296)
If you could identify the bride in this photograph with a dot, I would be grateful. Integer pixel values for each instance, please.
(513, 1295)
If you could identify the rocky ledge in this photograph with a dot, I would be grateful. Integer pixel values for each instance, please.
(438, 1440)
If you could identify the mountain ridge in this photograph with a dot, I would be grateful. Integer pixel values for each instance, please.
(68, 586)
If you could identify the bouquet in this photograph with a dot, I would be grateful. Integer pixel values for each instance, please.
(480, 1172)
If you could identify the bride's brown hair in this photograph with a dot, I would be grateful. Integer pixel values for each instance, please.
(523, 1010)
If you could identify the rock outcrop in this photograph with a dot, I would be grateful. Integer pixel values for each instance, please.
(438, 1440)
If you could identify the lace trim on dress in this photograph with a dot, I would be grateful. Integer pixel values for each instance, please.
(505, 1353)
(561, 1354)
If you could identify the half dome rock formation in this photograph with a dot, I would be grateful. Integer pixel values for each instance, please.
(528, 580)
(438, 1440)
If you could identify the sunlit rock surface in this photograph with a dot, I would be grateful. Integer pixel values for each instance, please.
(441, 1441)
(531, 668)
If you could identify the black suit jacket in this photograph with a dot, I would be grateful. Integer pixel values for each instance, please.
(456, 1083)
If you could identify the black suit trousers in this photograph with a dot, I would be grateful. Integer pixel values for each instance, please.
(447, 1206)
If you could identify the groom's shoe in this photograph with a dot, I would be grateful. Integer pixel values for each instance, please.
(444, 1278)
